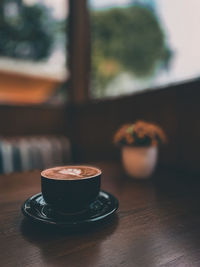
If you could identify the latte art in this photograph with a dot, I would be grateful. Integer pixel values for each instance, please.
(75, 172)
(71, 172)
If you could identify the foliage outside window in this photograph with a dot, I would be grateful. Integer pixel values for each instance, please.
(143, 44)
(126, 41)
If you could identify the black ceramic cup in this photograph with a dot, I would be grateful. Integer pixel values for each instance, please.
(69, 191)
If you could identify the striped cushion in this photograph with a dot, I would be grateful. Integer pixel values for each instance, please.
(33, 152)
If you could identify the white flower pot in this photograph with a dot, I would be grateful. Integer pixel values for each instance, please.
(139, 162)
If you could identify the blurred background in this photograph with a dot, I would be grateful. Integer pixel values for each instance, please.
(33, 43)
(135, 45)
(141, 44)
(75, 70)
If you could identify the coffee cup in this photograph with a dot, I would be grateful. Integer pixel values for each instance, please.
(70, 189)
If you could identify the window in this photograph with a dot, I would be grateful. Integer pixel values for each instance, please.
(137, 45)
(33, 51)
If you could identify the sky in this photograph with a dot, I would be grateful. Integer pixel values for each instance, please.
(108, 3)
(181, 19)
(59, 7)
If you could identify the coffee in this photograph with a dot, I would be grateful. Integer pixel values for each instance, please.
(70, 189)
(71, 172)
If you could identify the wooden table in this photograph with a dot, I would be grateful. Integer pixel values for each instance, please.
(157, 224)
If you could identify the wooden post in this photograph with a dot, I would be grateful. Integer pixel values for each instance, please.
(79, 51)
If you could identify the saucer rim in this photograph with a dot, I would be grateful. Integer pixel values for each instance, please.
(66, 224)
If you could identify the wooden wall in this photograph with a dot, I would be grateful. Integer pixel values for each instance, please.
(175, 108)
(32, 120)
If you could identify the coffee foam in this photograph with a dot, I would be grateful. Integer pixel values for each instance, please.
(71, 172)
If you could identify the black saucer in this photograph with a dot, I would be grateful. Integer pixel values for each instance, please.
(37, 210)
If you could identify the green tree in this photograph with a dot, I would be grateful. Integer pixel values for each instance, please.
(125, 39)
(25, 31)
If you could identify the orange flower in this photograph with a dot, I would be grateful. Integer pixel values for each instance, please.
(129, 139)
(140, 133)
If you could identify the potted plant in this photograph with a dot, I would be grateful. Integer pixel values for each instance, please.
(139, 142)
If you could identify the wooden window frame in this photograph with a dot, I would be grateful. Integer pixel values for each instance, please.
(79, 51)
(48, 119)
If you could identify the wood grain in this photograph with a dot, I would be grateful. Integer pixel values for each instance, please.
(157, 224)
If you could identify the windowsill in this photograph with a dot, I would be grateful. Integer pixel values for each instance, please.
(29, 83)
(169, 86)
(45, 70)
